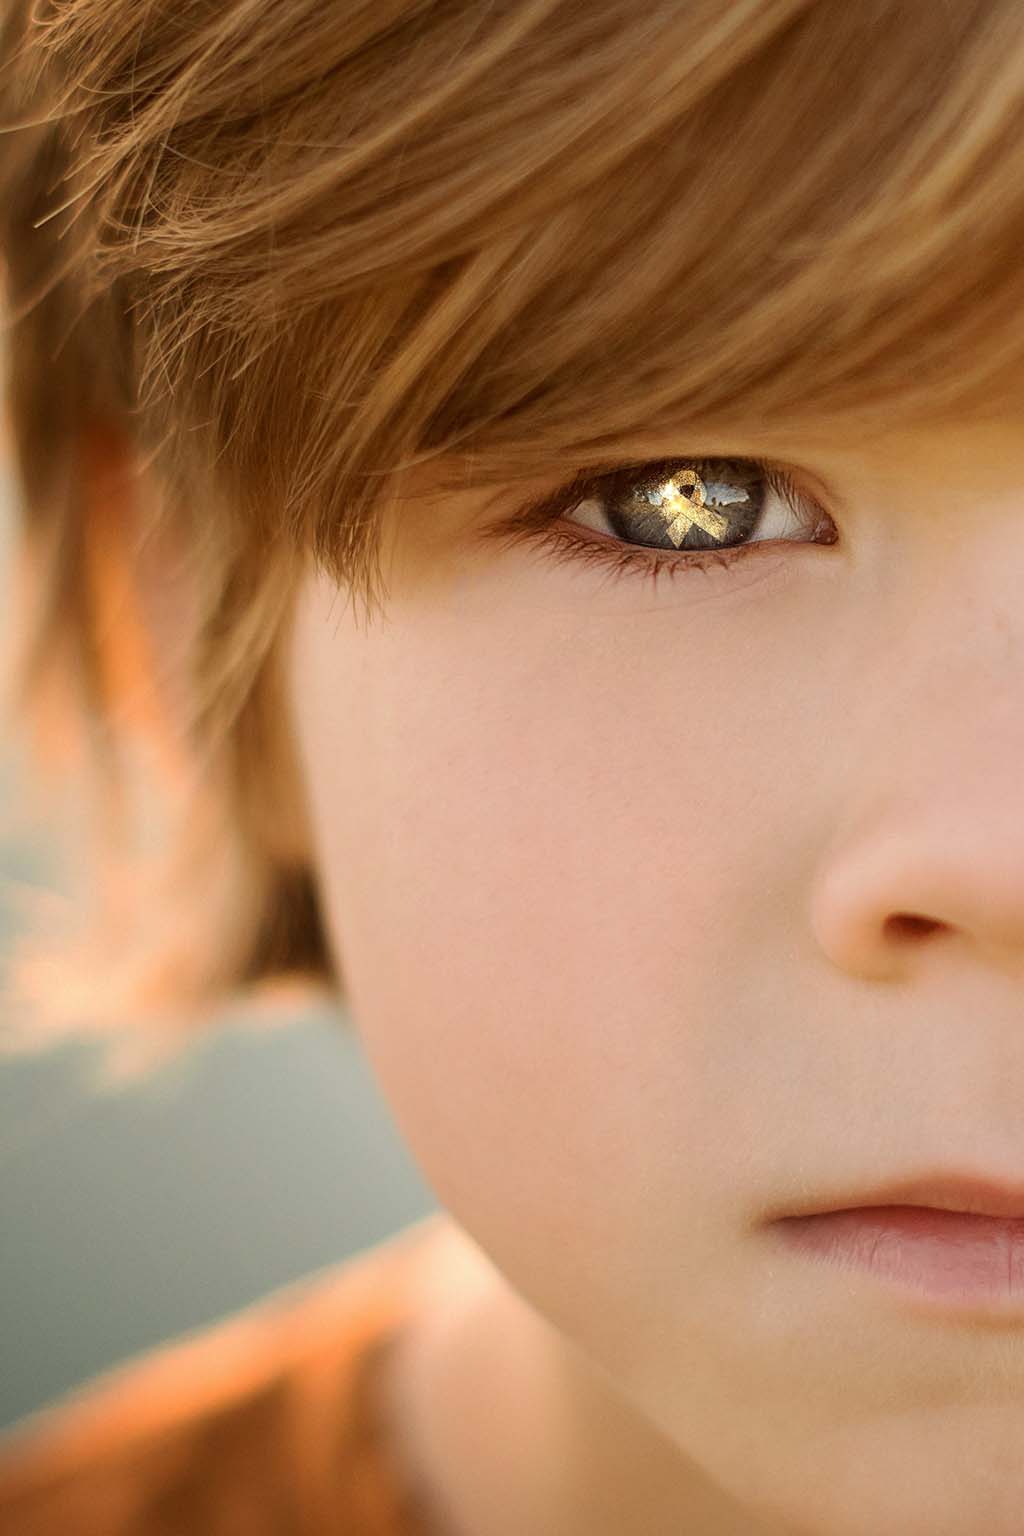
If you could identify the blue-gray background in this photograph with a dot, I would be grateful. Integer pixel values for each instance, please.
(128, 1218)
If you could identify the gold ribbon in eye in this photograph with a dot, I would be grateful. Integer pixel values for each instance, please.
(684, 495)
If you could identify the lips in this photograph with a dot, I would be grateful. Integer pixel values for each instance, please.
(948, 1191)
(956, 1239)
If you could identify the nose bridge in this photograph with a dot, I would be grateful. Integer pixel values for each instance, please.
(960, 690)
(952, 635)
(967, 577)
(930, 844)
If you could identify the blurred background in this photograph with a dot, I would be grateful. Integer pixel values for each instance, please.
(128, 1217)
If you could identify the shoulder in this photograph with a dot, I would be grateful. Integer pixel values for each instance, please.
(257, 1423)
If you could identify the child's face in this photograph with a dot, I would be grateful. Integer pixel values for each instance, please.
(611, 871)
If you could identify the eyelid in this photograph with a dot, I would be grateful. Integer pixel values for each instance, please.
(536, 490)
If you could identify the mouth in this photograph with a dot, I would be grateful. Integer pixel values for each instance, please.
(960, 1192)
(954, 1240)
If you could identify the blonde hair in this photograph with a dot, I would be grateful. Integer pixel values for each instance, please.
(291, 250)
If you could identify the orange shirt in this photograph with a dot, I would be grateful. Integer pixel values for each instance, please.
(265, 1424)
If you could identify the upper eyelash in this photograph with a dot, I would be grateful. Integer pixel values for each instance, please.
(538, 520)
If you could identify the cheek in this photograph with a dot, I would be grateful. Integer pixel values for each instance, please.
(538, 846)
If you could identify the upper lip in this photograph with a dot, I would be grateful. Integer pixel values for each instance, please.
(976, 1194)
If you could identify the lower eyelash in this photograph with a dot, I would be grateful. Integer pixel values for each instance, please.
(625, 560)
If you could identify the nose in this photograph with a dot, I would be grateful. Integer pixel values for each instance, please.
(938, 881)
(929, 855)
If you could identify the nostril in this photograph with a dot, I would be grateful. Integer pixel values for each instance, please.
(907, 925)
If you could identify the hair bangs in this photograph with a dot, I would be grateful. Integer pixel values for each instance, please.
(835, 232)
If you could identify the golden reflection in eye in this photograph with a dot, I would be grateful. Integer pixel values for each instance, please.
(684, 496)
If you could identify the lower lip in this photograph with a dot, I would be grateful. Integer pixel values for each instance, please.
(952, 1256)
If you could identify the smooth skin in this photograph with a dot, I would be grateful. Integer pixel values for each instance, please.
(610, 873)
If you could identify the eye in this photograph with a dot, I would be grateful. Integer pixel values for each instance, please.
(675, 515)
(697, 504)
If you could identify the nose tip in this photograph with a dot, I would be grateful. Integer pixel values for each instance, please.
(890, 900)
